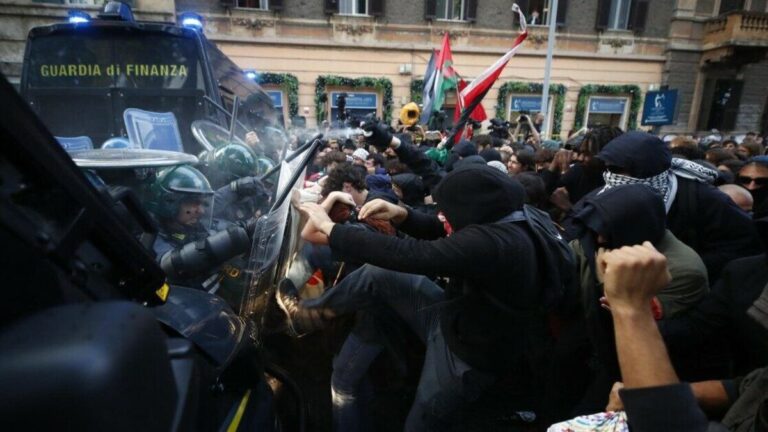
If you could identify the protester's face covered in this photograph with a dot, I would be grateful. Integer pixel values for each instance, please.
(477, 194)
(753, 176)
(626, 215)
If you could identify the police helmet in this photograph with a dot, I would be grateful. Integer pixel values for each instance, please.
(173, 186)
(263, 165)
(234, 161)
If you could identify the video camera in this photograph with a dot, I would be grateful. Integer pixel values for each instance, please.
(500, 128)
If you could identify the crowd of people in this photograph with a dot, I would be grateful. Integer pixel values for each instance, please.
(592, 276)
(414, 232)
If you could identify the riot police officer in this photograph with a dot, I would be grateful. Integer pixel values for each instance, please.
(239, 194)
(192, 248)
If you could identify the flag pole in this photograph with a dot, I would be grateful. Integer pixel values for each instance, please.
(548, 67)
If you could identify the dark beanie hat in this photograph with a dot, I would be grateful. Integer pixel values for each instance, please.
(478, 194)
(491, 154)
(640, 154)
(465, 148)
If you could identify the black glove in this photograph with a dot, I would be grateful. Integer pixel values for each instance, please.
(376, 133)
(248, 186)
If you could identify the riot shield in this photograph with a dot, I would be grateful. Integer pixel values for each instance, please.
(276, 238)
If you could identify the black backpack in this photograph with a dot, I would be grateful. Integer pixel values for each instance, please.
(559, 287)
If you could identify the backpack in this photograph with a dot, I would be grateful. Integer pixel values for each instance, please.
(559, 287)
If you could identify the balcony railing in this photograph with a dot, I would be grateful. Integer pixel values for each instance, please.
(739, 28)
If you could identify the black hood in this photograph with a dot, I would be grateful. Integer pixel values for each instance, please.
(640, 154)
(478, 194)
(412, 187)
(625, 215)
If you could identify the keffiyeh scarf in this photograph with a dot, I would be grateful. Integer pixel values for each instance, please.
(661, 183)
(693, 171)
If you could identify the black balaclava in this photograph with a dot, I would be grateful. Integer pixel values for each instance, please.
(478, 194)
(412, 188)
(759, 196)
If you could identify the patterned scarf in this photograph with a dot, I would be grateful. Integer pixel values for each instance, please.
(693, 171)
(661, 183)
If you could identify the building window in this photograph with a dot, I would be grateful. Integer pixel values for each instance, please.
(730, 5)
(452, 10)
(353, 7)
(619, 14)
(277, 100)
(539, 12)
(607, 111)
(358, 104)
(622, 15)
(254, 4)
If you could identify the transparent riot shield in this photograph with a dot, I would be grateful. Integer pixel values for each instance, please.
(276, 239)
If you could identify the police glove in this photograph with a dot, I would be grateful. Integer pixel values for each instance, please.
(376, 133)
(248, 186)
(248, 225)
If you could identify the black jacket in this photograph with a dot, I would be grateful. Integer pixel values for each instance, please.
(721, 318)
(496, 259)
(706, 220)
(709, 222)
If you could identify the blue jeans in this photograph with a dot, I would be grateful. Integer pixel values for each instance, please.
(446, 382)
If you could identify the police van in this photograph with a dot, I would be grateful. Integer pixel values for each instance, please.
(95, 78)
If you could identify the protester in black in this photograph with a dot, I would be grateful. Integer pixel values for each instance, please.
(488, 318)
(697, 213)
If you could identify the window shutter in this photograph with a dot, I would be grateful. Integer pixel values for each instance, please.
(331, 7)
(376, 8)
(470, 10)
(638, 15)
(430, 9)
(603, 14)
(276, 5)
(525, 6)
(562, 10)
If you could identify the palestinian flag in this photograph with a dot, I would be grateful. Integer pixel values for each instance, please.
(446, 77)
(471, 96)
(439, 78)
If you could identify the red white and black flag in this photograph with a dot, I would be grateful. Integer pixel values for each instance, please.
(471, 96)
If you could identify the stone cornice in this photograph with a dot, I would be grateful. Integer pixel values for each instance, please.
(427, 47)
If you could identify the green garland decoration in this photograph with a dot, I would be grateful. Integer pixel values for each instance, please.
(288, 83)
(417, 90)
(598, 89)
(511, 87)
(382, 85)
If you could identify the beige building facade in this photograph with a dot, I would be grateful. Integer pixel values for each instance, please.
(608, 55)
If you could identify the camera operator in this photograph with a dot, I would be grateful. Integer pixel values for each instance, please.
(530, 128)
(500, 129)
